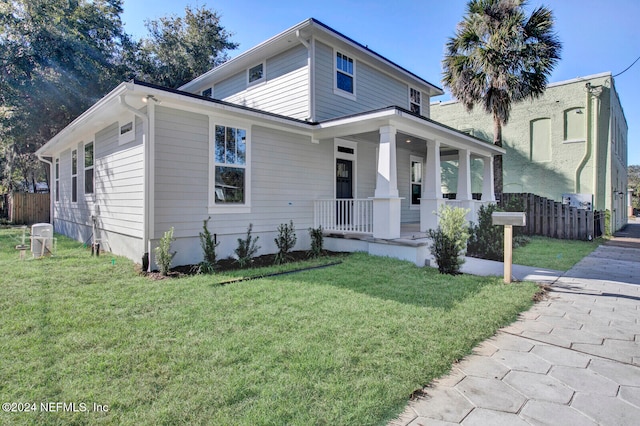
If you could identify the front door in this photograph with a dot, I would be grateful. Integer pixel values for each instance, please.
(344, 191)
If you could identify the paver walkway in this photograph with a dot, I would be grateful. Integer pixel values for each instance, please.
(573, 359)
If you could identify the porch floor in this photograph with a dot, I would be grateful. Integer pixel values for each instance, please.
(410, 235)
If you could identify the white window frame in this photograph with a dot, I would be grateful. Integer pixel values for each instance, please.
(91, 167)
(74, 175)
(56, 171)
(219, 208)
(336, 89)
(130, 135)
(415, 159)
(419, 104)
(259, 80)
(346, 156)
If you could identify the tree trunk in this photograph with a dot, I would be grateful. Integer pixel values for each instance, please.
(497, 160)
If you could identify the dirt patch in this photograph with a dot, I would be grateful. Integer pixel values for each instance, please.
(230, 264)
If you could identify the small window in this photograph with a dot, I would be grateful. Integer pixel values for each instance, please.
(256, 74)
(344, 73)
(230, 165)
(574, 122)
(208, 93)
(415, 101)
(88, 168)
(127, 132)
(74, 176)
(416, 180)
(57, 179)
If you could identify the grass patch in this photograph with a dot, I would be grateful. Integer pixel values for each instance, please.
(550, 253)
(342, 345)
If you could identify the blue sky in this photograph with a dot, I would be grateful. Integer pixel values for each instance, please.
(597, 36)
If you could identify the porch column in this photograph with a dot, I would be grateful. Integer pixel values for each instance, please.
(432, 188)
(464, 199)
(386, 202)
(487, 180)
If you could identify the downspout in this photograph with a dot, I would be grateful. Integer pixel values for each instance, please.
(310, 63)
(51, 177)
(596, 142)
(145, 147)
(587, 133)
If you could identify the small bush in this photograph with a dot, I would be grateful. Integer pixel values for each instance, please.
(208, 244)
(317, 241)
(285, 242)
(163, 252)
(486, 240)
(449, 240)
(247, 248)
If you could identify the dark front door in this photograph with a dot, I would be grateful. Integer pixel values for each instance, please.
(344, 191)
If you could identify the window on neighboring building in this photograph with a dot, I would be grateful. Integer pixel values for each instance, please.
(540, 139)
(256, 73)
(574, 120)
(344, 73)
(208, 93)
(57, 179)
(416, 179)
(230, 168)
(74, 175)
(415, 101)
(88, 168)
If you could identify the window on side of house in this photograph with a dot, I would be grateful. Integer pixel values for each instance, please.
(415, 101)
(208, 93)
(574, 125)
(540, 139)
(255, 74)
(345, 72)
(127, 130)
(230, 171)
(57, 179)
(416, 179)
(74, 176)
(88, 168)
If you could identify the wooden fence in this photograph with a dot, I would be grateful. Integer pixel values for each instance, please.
(25, 208)
(553, 219)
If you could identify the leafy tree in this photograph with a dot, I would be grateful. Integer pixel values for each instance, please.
(500, 56)
(179, 49)
(633, 173)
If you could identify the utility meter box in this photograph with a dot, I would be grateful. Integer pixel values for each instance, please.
(509, 218)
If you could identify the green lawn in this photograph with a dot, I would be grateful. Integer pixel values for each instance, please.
(559, 255)
(341, 345)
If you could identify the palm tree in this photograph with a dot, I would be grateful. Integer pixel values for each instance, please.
(500, 56)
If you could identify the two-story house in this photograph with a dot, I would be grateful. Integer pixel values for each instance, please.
(308, 126)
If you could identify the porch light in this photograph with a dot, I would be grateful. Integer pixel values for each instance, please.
(408, 141)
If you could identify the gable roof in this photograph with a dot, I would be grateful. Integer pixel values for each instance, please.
(304, 30)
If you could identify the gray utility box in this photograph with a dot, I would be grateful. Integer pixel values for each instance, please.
(509, 218)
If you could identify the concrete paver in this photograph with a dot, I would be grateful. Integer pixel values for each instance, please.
(571, 359)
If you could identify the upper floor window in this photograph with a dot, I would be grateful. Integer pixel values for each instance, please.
(88, 168)
(256, 74)
(208, 93)
(344, 73)
(74, 175)
(57, 179)
(127, 130)
(574, 123)
(230, 166)
(415, 101)
(540, 139)
(416, 180)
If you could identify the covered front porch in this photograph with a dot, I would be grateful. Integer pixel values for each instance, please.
(389, 179)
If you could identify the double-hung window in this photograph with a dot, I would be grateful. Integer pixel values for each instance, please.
(230, 174)
(416, 180)
(74, 176)
(345, 72)
(88, 168)
(415, 101)
(255, 74)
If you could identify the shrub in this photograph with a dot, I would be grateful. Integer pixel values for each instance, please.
(486, 240)
(317, 241)
(163, 252)
(247, 248)
(449, 240)
(208, 244)
(285, 242)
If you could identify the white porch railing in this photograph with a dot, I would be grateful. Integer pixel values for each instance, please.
(344, 215)
(472, 205)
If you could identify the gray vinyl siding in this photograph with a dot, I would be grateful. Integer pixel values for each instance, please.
(403, 157)
(285, 90)
(373, 89)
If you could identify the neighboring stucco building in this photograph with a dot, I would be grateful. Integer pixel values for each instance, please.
(571, 140)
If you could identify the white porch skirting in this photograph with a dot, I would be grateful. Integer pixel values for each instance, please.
(344, 215)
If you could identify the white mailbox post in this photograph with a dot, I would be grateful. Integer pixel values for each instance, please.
(508, 220)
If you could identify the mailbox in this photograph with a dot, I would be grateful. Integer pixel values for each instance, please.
(509, 218)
